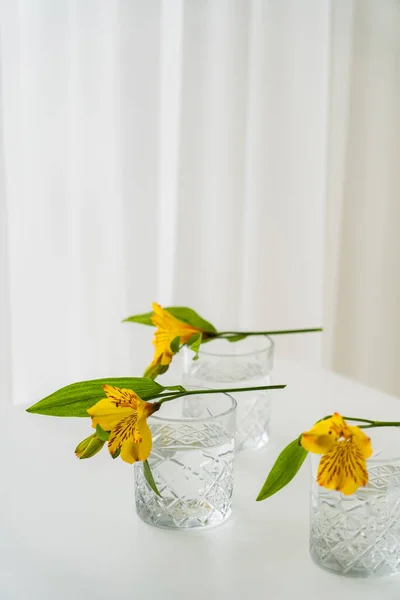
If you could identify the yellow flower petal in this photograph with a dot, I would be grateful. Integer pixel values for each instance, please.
(165, 321)
(338, 423)
(132, 452)
(343, 468)
(317, 444)
(122, 396)
(107, 414)
(168, 328)
(125, 429)
(162, 352)
(162, 318)
(323, 436)
(362, 440)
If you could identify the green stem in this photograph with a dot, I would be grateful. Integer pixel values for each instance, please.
(359, 420)
(162, 399)
(370, 422)
(381, 424)
(283, 332)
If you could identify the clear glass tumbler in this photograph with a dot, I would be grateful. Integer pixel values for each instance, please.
(359, 535)
(245, 363)
(192, 463)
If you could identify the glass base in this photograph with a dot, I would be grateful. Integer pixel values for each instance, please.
(187, 523)
(359, 573)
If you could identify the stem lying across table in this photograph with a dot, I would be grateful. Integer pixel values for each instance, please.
(169, 397)
(283, 332)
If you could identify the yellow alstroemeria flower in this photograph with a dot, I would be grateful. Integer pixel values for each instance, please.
(168, 328)
(344, 450)
(124, 415)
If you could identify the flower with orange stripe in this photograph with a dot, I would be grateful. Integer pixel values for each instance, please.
(344, 450)
(124, 415)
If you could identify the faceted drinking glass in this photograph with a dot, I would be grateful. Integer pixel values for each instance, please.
(191, 461)
(359, 535)
(244, 363)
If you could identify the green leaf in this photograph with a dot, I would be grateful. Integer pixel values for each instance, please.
(103, 435)
(89, 447)
(189, 316)
(154, 371)
(285, 468)
(174, 345)
(149, 477)
(194, 344)
(74, 400)
(144, 319)
(235, 338)
(173, 388)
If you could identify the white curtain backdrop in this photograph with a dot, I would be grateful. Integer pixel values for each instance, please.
(363, 242)
(236, 156)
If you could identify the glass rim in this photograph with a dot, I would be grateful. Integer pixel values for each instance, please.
(270, 346)
(226, 412)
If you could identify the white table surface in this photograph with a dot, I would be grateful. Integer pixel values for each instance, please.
(68, 528)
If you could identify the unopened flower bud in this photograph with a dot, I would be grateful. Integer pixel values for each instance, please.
(89, 447)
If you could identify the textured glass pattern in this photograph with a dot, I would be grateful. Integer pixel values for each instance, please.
(359, 535)
(214, 369)
(192, 464)
(253, 417)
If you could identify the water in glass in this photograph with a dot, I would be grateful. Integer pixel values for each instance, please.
(359, 535)
(192, 464)
(241, 364)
